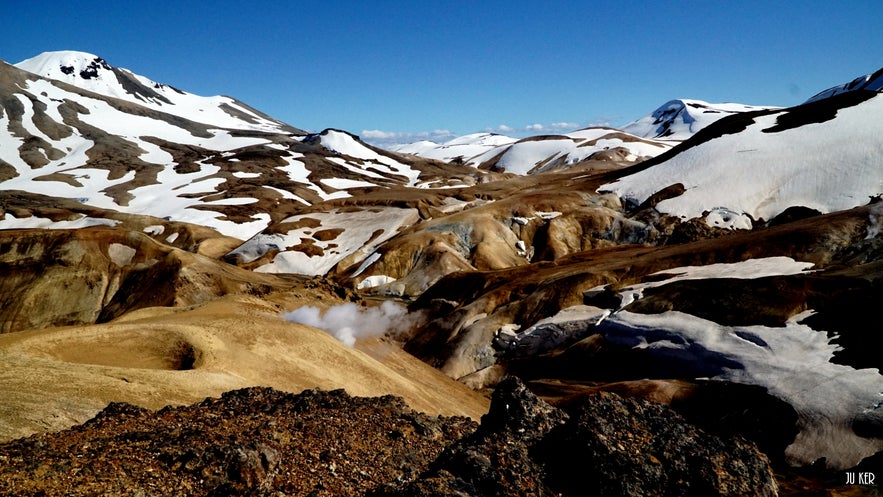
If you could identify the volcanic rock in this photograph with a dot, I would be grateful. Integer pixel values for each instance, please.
(254, 441)
(604, 446)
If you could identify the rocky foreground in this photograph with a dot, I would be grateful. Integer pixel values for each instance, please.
(259, 441)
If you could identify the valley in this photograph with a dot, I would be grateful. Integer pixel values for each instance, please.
(158, 248)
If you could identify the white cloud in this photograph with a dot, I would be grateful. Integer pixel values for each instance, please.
(376, 134)
(389, 139)
(605, 121)
(392, 139)
(532, 129)
(564, 126)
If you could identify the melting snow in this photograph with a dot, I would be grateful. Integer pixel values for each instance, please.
(792, 362)
(375, 280)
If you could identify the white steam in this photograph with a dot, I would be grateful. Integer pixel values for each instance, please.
(875, 220)
(348, 322)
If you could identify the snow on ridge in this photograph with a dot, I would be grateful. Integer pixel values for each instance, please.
(345, 144)
(464, 148)
(541, 153)
(531, 154)
(680, 119)
(92, 73)
(826, 166)
(870, 82)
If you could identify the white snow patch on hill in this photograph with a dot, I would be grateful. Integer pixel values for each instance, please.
(301, 251)
(537, 154)
(462, 148)
(531, 154)
(11, 222)
(828, 166)
(345, 144)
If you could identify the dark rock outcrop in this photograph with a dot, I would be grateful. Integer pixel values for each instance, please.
(259, 441)
(255, 441)
(605, 446)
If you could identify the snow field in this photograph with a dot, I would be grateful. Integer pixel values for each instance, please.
(829, 166)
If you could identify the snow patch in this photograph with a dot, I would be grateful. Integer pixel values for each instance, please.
(358, 235)
(793, 362)
(120, 254)
(11, 222)
(154, 230)
(374, 281)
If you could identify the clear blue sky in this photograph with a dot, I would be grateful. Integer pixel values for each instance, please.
(418, 66)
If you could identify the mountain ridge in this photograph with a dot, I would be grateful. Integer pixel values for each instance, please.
(746, 256)
(234, 174)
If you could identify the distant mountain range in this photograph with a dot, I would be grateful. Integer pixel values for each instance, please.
(649, 136)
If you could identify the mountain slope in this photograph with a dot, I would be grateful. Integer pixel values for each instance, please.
(550, 152)
(460, 149)
(825, 155)
(94, 74)
(538, 153)
(114, 140)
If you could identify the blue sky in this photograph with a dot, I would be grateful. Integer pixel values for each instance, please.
(404, 70)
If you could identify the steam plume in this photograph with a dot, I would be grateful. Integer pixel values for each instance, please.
(348, 321)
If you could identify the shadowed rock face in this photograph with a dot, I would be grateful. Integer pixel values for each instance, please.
(69, 277)
(482, 324)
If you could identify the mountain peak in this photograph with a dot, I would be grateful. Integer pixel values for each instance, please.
(871, 82)
(66, 65)
(93, 73)
(679, 119)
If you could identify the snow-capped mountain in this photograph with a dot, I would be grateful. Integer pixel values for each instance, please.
(550, 152)
(646, 137)
(541, 275)
(75, 127)
(538, 153)
(678, 120)
(461, 149)
(92, 73)
(825, 155)
(870, 82)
